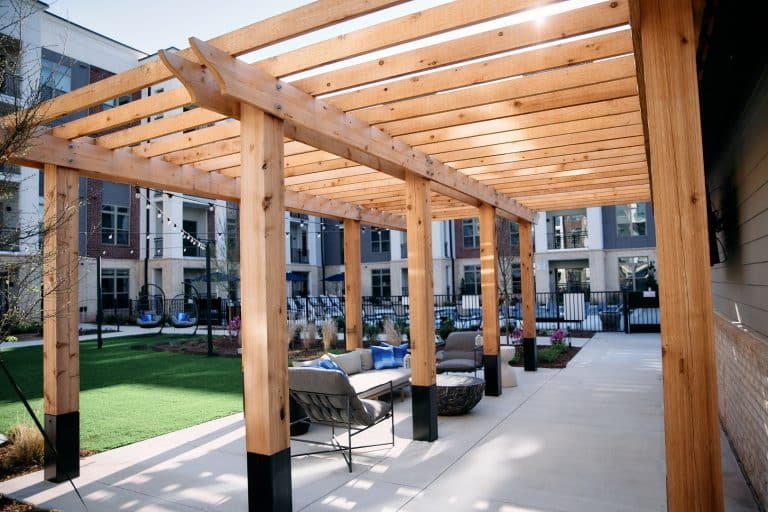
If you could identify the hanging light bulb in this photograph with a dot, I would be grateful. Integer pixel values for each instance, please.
(109, 237)
(149, 206)
(137, 194)
(210, 207)
(147, 236)
(170, 221)
(159, 215)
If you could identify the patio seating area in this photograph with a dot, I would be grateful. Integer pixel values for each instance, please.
(589, 437)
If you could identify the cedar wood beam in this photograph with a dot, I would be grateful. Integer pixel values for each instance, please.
(123, 166)
(323, 125)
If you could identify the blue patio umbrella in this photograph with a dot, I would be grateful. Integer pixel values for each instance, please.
(295, 276)
(336, 277)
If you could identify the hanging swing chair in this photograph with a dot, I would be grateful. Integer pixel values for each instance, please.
(151, 307)
(183, 310)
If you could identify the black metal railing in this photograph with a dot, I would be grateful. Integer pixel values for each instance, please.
(10, 84)
(299, 255)
(586, 311)
(576, 240)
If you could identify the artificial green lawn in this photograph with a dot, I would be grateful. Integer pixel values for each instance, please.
(129, 395)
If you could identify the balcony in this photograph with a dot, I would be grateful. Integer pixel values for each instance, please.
(299, 255)
(575, 240)
(10, 84)
(9, 239)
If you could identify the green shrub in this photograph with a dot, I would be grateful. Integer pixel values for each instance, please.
(446, 327)
(551, 353)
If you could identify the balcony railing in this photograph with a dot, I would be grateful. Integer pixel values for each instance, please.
(574, 240)
(10, 85)
(9, 239)
(299, 255)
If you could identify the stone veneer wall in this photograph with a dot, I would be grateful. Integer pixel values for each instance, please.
(742, 375)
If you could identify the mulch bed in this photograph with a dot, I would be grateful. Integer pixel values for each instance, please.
(222, 346)
(560, 362)
(9, 505)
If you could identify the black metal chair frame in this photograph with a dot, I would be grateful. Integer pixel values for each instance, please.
(150, 299)
(195, 298)
(352, 430)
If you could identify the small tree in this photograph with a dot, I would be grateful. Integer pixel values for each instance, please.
(507, 258)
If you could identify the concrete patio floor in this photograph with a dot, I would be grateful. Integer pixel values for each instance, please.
(587, 438)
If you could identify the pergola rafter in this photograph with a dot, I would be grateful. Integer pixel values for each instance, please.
(536, 114)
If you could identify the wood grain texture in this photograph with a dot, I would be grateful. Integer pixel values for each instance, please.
(420, 280)
(61, 317)
(262, 245)
(353, 289)
(691, 426)
(489, 280)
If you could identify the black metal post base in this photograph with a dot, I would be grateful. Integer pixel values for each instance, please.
(492, 366)
(269, 482)
(530, 355)
(64, 432)
(424, 403)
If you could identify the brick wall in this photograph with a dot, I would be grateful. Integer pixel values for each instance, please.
(742, 375)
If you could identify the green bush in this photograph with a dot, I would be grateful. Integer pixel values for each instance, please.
(551, 353)
(446, 327)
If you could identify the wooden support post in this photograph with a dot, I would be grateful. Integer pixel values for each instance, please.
(489, 282)
(668, 79)
(264, 329)
(528, 296)
(421, 304)
(353, 291)
(61, 351)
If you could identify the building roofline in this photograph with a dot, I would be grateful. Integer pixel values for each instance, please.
(92, 31)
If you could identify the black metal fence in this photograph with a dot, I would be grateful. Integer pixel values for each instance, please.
(588, 311)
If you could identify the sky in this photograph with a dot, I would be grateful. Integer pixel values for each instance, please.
(153, 25)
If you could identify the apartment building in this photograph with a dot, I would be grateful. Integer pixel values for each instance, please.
(600, 249)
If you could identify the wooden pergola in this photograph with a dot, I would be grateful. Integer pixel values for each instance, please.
(589, 107)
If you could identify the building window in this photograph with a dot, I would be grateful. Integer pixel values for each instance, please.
(114, 289)
(471, 280)
(55, 79)
(630, 219)
(116, 102)
(379, 240)
(189, 245)
(633, 272)
(381, 282)
(470, 229)
(299, 243)
(114, 225)
(404, 281)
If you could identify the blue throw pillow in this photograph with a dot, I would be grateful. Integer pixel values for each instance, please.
(399, 353)
(146, 317)
(327, 364)
(182, 317)
(383, 357)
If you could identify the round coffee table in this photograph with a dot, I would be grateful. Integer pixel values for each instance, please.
(458, 394)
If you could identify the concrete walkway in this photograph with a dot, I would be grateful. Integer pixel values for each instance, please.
(587, 438)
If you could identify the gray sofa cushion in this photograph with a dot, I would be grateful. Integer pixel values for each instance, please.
(350, 362)
(324, 395)
(366, 358)
(376, 382)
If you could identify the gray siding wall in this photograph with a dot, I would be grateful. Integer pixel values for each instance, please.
(738, 182)
(366, 254)
(611, 238)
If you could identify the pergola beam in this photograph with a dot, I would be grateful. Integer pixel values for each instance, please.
(324, 126)
(123, 166)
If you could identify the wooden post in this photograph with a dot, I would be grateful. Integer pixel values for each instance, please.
(489, 282)
(421, 305)
(264, 328)
(669, 86)
(61, 351)
(528, 296)
(353, 291)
